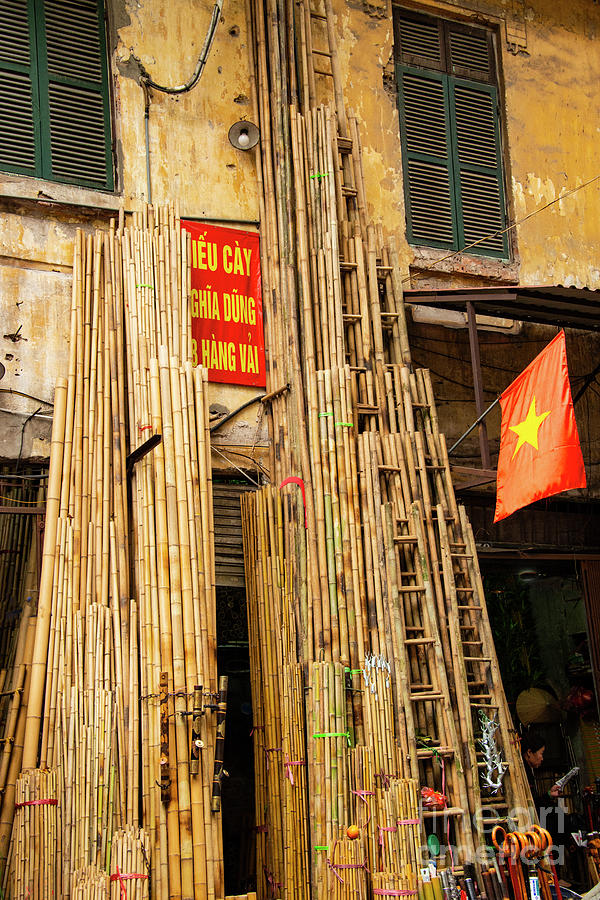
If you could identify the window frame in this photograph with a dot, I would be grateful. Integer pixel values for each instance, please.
(451, 75)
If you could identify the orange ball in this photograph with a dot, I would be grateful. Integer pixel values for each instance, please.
(352, 831)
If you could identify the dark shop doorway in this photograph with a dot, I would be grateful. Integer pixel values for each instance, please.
(237, 792)
(233, 660)
(542, 617)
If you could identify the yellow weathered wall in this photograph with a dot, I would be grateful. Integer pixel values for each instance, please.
(551, 127)
(549, 65)
(191, 161)
(191, 157)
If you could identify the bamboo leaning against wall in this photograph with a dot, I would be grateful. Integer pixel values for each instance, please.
(125, 645)
(378, 541)
(371, 653)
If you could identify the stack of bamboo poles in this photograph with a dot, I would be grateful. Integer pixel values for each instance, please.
(36, 836)
(397, 827)
(328, 739)
(277, 627)
(390, 884)
(378, 708)
(384, 554)
(295, 800)
(347, 870)
(125, 645)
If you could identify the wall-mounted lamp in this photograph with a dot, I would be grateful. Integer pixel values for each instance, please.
(243, 135)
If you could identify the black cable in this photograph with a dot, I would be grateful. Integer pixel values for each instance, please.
(184, 88)
(41, 475)
(486, 365)
(252, 459)
(483, 343)
(23, 394)
(468, 387)
(28, 419)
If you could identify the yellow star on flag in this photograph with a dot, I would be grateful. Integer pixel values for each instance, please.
(527, 430)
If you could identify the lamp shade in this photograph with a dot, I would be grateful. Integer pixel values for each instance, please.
(243, 135)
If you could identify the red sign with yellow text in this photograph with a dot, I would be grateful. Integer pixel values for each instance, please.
(226, 304)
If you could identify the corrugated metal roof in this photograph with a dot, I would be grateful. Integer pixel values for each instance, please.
(569, 307)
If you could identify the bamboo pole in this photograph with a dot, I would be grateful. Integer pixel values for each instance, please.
(40, 651)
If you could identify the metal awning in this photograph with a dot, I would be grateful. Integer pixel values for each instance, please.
(557, 305)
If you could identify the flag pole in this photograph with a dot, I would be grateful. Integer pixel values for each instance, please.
(474, 425)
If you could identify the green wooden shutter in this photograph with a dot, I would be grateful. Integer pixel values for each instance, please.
(76, 144)
(420, 41)
(425, 134)
(54, 100)
(478, 166)
(450, 134)
(19, 111)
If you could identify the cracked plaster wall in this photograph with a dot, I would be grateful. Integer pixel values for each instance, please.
(191, 161)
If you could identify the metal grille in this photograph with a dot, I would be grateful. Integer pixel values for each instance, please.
(17, 135)
(73, 51)
(229, 550)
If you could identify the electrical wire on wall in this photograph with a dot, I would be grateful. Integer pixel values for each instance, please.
(149, 84)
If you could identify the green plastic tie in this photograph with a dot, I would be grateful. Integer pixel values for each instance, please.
(346, 424)
(151, 286)
(321, 848)
(320, 175)
(352, 671)
(426, 743)
(325, 734)
(322, 415)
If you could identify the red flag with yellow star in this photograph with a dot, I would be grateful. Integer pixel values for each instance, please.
(540, 453)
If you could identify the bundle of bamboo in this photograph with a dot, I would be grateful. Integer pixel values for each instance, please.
(328, 739)
(129, 865)
(36, 836)
(125, 647)
(347, 875)
(397, 827)
(295, 801)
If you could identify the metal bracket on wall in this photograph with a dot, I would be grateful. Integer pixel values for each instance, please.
(197, 743)
(165, 781)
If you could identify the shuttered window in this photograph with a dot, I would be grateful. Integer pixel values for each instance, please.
(54, 102)
(450, 134)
